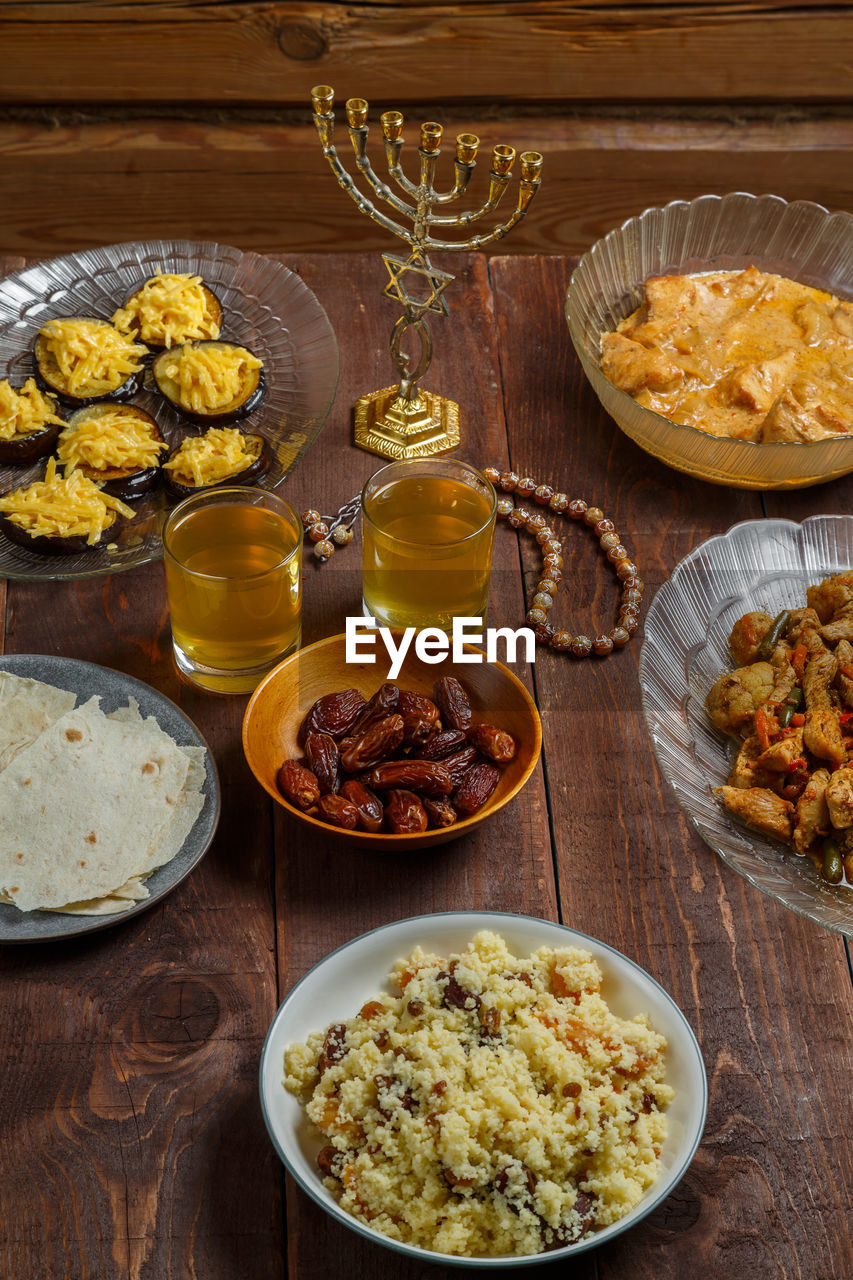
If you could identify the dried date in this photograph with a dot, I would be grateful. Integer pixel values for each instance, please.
(298, 785)
(373, 746)
(334, 1047)
(382, 704)
(324, 760)
(440, 812)
(475, 788)
(368, 805)
(429, 777)
(404, 813)
(338, 811)
(334, 713)
(421, 720)
(442, 745)
(452, 702)
(460, 762)
(494, 744)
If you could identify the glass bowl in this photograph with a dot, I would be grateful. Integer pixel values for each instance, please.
(712, 233)
(759, 564)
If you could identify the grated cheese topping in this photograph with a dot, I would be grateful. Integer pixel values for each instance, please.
(204, 460)
(169, 309)
(24, 412)
(107, 437)
(210, 378)
(92, 358)
(64, 507)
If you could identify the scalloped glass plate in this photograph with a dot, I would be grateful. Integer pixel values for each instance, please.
(760, 564)
(712, 233)
(265, 307)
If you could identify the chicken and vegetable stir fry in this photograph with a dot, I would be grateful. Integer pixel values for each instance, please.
(790, 704)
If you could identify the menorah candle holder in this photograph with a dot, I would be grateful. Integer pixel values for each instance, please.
(405, 421)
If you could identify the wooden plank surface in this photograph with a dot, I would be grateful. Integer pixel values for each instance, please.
(533, 52)
(266, 186)
(128, 1105)
(768, 994)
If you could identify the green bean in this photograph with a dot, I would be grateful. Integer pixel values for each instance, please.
(770, 641)
(832, 868)
(796, 696)
(785, 715)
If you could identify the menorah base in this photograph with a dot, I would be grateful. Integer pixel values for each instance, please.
(400, 429)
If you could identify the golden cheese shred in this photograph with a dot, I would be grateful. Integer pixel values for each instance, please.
(210, 378)
(65, 507)
(92, 357)
(203, 460)
(116, 437)
(24, 412)
(169, 308)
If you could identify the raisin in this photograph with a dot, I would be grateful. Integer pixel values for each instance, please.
(415, 1008)
(442, 745)
(298, 785)
(519, 1199)
(439, 1088)
(649, 1103)
(420, 717)
(333, 1047)
(404, 813)
(334, 713)
(452, 702)
(475, 789)
(330, 1162)
(382, 704)
(324, 760)
(368, 805)
(338, 812)
(372, 1009)
(376, 744)
(493, 743)
(572, 1089)
(440, 812)
(490, 1021)
(453, 1181)
(460, 762)
(427, 776)
(456, 996)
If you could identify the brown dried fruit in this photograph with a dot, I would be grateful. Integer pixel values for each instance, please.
(460, 762)
(572, 1089)
(298, 784)
(338, 812)
(404, 813)
(440, 812)
(490, 1021)
(427, 776)
(371, 1010)
(475, 788)
(441, 746)
(452, 1181)
(324, 760)
(452, 702)
(376, 744)
(382, 704)
(420, 717)
(333, 1047)
(330, 1162)
(334, 713)
(415, 1008)
(455, 995)
(493, 743)
(368, 805)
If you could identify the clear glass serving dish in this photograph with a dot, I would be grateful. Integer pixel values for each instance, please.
(266, 307)
(759, 564)
(802, 241)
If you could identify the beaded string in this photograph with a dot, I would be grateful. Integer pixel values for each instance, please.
(329, 532)
(580, 646)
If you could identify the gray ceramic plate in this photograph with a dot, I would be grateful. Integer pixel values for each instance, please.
(114, 688)
(265, 306)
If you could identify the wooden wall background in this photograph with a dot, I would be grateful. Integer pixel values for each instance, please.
(120, 121)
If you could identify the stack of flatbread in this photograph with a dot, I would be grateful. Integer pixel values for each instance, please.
(90, 804)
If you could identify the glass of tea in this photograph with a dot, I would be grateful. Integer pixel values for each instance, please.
(234, 584)
(428, 528)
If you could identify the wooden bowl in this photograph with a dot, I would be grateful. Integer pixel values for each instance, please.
(283, 697)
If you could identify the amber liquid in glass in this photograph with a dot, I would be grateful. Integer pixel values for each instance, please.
(234, 587)
(427, 552)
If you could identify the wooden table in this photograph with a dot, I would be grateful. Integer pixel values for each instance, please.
(130, 1128)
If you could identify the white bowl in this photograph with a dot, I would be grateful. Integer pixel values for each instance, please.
(337, 987)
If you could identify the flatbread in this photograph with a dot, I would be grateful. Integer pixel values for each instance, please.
(27, 708)
(91, 806)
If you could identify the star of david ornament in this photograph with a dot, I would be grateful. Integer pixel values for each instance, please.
(405, 421)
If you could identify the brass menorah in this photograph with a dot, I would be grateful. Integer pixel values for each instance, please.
(405, 421)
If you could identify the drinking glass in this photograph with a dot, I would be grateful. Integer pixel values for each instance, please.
(234, 585)
(428, 528)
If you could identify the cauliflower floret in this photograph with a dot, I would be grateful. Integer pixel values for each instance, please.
(737, 695)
